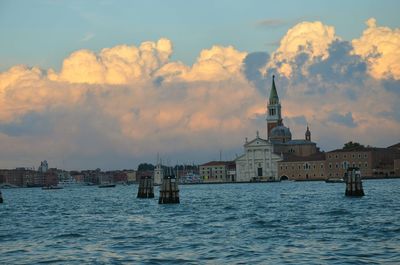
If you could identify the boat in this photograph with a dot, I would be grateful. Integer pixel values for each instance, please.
(107, 185)
(70, 183)
(190, 178)
(334, 180)
(52, 187)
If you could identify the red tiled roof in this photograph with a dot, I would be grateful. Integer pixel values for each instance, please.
(217, 163)
(293, 158)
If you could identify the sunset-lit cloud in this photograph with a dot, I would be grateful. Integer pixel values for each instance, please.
(379, 46)
(132, 101)
(310, 38)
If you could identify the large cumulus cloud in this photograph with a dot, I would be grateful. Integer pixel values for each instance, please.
(311, 38)
(379, 46)
(124, 104)
(129, 101)
(339, 88)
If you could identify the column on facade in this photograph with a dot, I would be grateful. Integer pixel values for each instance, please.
(270, 162)
(246, 172)
(254, 162)
(265, 163)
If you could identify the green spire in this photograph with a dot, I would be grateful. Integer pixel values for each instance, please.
(273, 96)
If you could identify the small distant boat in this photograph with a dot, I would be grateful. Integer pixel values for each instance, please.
(334, 180)
(52, 187)
(108, 185)
(70, 183)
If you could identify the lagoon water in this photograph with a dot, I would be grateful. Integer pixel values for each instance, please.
(269, 223)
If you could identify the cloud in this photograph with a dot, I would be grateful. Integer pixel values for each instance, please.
(311, 38)
(87, 37)
(30, 124)
(252, 68)
(343, 119)
(117, 65)
(122, 105)
(271, 23)
(340, 66)
(116, 100)
(379, 46)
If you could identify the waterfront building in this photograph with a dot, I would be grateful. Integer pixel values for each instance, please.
(120, 177)
(44, 166)
(20, 177)
(217, 171)
(131, 176)
(280, 136)
(158, 172)
(310, 167)
(396, 167)
(373, 162)
(258, 163)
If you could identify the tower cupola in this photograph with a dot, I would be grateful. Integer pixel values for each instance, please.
(308, 134)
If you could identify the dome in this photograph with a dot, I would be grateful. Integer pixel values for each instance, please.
(281, 132)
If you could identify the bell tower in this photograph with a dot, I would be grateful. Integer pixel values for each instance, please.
(308, 134)
(274, 117)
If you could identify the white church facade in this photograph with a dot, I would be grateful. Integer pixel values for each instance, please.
(258, 163)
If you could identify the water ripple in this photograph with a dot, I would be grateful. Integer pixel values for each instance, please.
(273, 223)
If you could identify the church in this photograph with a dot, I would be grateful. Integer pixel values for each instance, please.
(260, 159)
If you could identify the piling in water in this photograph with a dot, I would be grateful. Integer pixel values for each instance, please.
(169, 191)
(146, 187)
(353, 182)
(1, 198)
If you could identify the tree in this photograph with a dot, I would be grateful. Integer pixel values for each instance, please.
(351, 145)
(145, 167)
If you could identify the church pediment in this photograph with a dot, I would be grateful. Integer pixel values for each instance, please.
(257, 142)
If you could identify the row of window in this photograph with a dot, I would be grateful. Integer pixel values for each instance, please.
(305, 166)
(346, 165)
(353, 156)
(307, 176)
(213, 171)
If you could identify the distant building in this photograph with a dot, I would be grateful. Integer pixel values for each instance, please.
(44, 166)
(21, 177)
(216, 171)
(396, 167)
(310, 167)
(373, 162)
(258, 163)
(158, 172)
(131, 176)
(120, 177)
(280, 136)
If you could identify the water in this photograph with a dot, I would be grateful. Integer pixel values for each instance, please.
(271, 223)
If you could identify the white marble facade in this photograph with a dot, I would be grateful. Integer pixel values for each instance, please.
(258, 163)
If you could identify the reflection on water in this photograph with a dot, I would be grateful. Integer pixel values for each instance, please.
(287, 222)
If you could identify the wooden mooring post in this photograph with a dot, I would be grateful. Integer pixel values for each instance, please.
(353, 182)
(169, 190)
(1, 197)
(146, 187)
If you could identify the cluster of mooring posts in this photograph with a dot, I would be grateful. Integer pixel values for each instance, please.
(146, 187)
(169, 190)
(353, 182)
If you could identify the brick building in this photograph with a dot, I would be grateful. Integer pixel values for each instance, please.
(372, 161)
(216, 171)
(310, 167)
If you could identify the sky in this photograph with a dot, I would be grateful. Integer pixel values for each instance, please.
(109, 84)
